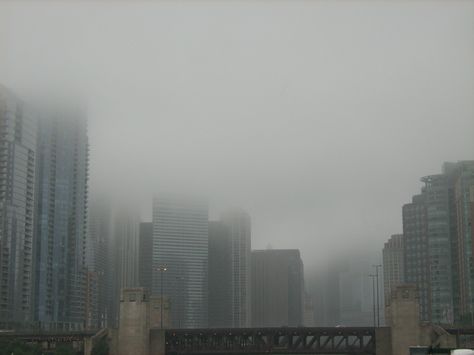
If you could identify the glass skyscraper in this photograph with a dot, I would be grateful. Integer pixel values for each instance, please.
(61, 220)
(230, 270)
(180, 243)
(17, 193)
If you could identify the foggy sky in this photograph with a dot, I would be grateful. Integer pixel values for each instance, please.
(317, 117)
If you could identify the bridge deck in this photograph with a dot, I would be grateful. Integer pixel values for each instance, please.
(344, 340)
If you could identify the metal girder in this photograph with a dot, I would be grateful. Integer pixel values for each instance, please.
(271, 340)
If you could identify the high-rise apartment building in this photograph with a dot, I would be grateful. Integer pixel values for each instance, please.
(180, 258)
(438, 243)
(230, 270)
(61, 219)
(277, 288)
(18, 133)
(461, 177)
(145, 255)
(393, 264)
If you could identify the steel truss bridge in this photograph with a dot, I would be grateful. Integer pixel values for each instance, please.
(288, 341)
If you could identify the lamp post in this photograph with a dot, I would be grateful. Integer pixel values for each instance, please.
(378, 304)
(373, 296)
(161, 269)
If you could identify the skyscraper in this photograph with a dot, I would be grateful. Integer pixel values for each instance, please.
(61, 219)
(99, 245)
(180, 258)
(145, 257)
(461, 176)
(393, 264)
(238, 224)
(277, 288)
(124, 259)
(220, 276)
(18, 133)
(230, 270)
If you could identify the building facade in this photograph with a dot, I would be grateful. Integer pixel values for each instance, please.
(461, 176)
(438, 248)
(18, 134)
(99, 245)
(180, 258)
(393, 264)
(124, 258)
(277, 288)
(145, 257)
(230, 270)
(61, 220)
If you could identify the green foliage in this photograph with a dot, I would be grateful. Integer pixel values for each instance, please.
(101, 348)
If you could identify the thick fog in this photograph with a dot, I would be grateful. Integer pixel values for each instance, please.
(317, 117)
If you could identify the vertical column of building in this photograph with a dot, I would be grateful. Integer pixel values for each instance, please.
(461, 176)
(220, 276)
(98, 263)
(123, 256)
(145, 256)
(238, 225)
(277, 288)
(180, 246)
(61, 227)
(17, 180)
(393, 264)
(417, 270)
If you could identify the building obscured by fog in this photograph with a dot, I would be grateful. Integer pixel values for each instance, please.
(145, 257)
(61, 218)
(18, 132)
(230, 270)
(393, 264)
(180, 245)
(277, 288)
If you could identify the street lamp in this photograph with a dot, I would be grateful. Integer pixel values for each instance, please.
(161, 269)
(378, 304)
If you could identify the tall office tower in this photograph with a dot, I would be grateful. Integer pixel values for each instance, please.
(220, 276)
(428, 249)
(230, 270)
(416, 252)
(461, 177)
(125, 240)
(18, 132)
(180, 246)
(393, 264)
(277, 288)
(98, 258)
(238, 224)
(61, 220)
(145, 256)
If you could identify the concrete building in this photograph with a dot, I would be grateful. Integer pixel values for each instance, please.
(180, 258)
(230, 270)
(145, 257)
(61, 219)
(277, 288)
(393, 264)
(18, 134)
(140, 313)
